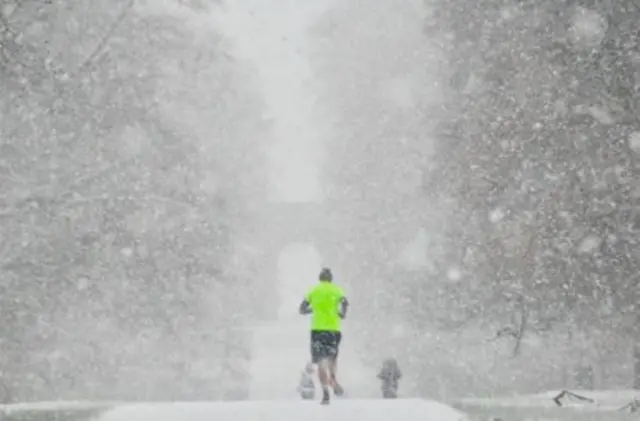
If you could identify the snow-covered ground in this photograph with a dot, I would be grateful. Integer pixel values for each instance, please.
(347, 410)
(339, 410)
(536, 407)
(603, 399)
(605, 405)
(54, 406)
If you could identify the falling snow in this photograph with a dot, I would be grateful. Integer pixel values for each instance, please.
(634, 142)
(496, 215)
(587, 28)
(590, 244)
(454, 274)
(175, 174)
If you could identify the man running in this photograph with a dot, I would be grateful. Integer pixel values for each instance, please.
(328, 306)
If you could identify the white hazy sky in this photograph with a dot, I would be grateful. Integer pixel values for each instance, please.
(272, 39)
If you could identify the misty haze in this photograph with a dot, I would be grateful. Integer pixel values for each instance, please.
(175, 175)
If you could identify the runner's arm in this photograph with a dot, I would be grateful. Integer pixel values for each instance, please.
(305, 307)
(344, 305)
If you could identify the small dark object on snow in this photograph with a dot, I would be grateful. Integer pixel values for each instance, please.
(571, 396)
(390, 376)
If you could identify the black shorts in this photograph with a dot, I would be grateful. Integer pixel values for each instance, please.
(324, 344)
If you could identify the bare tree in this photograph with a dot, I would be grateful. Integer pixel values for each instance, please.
(542, 106)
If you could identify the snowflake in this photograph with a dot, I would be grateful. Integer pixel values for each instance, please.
(454, 274)
(634, 142)
(587, 28)
(589, 244)
(496, 215)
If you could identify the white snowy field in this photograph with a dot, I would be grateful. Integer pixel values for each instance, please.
(339, 410)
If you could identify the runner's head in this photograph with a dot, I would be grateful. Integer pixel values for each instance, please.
(325, 275)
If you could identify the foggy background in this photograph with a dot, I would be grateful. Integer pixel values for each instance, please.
(173, 174)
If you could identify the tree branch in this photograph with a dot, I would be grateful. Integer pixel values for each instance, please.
(63, 94)
(521, 328)
(100, 46)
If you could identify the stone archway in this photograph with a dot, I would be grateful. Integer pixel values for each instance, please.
(286, 224)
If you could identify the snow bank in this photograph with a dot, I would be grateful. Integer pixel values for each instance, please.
(604, 399)
(546, 414)
(604, 405)
(55, 410)
(55, 406)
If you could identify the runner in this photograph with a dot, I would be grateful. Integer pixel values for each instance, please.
(328, 306)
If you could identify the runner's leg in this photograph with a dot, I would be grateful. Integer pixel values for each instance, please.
(320, 356)
(324, 373)
(333, 365)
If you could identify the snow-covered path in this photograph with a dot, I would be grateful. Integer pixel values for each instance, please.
(344, 410)
(273, 42)
(347, 410)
